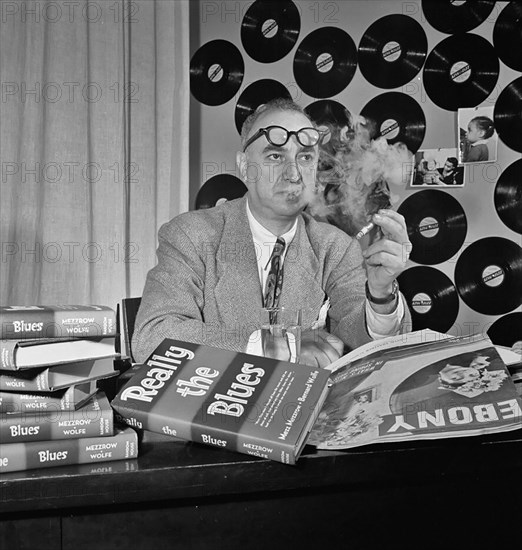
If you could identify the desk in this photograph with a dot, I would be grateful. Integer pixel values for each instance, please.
(184, 495)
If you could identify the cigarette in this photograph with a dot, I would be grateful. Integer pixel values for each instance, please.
(366, 229)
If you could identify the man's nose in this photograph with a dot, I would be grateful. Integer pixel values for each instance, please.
(292, 172)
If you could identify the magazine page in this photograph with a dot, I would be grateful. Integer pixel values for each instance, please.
(376, 346)
(429, 390)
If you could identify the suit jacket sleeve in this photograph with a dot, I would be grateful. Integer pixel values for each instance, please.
(173, 297)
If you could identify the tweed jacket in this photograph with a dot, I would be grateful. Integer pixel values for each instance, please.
(205, 287)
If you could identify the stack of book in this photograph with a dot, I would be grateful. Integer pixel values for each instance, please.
(51, 410)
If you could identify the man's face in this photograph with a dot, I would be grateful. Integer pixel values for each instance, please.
(280, 180)
(448, 166)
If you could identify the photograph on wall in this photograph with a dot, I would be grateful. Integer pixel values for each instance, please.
(477, 137)
(437, 167)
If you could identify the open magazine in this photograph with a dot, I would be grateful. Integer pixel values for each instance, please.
(424, 385)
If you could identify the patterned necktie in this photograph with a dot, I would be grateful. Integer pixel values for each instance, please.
(274, 281)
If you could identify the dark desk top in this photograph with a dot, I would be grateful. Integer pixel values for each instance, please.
(172, 469)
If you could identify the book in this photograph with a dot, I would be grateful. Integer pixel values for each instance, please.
(95, 418)
(245, 403)
(27, 354)
(57, 377)
(418, 386)
(84, 321)
(15, 457)
(68, 399)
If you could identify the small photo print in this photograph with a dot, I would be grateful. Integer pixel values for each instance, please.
(437, 167)
(477, 137)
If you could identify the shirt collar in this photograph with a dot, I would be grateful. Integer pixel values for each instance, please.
(479, 142)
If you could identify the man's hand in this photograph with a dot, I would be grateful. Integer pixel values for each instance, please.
(319, 348)
(386, 258)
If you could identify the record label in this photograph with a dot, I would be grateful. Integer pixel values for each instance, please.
(391, 51)
(493, 275)
(429, 227)
(324, 63)
(269, 28)
(390, 129)
(460, 72)
(421, 303)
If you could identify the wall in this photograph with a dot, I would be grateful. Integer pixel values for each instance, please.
(215, 138)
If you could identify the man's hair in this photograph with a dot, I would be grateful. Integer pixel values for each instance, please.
(485, 124)
(278, 104)
(453, 161)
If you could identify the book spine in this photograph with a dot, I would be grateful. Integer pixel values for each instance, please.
(39, 383)
(7, 354)
(16, 428)
(200, 433)
(56, 322)
(45, 454)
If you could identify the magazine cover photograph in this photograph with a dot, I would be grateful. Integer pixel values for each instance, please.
(454, 387)
(437, 167)
(477, 137)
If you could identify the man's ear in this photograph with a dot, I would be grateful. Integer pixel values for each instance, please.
(241, 162)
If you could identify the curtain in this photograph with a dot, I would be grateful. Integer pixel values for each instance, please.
(93, 145)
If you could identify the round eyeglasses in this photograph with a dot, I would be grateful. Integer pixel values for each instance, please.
(278, 136)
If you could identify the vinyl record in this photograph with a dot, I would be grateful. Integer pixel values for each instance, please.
(451, 17)
(270, 29)
(216, 72)
(219, 189)
(507, 35)
(506, 330)
(397, 117)
(392, 51)
(325, 62)
(437, 225)
(488, 275)
(507, 115)
(508, 196)
(461, 71)
(256, 94)
(431, 296)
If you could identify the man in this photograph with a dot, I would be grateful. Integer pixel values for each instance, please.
(212, 267)
(449, 174)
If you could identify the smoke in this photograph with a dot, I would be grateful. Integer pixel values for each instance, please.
(357, 175)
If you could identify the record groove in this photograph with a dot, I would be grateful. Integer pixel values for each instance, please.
(397, 117)
(325, 62)
(270, 30)
(256, 94)
(508, 196)
(506, 330)
(461, 71)
(437, 225)
(216, 72)
(431, 296)
(507, 115)
(219, 189)
(392, 51)
(451, 17)
(488, 275)
(507, 35)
